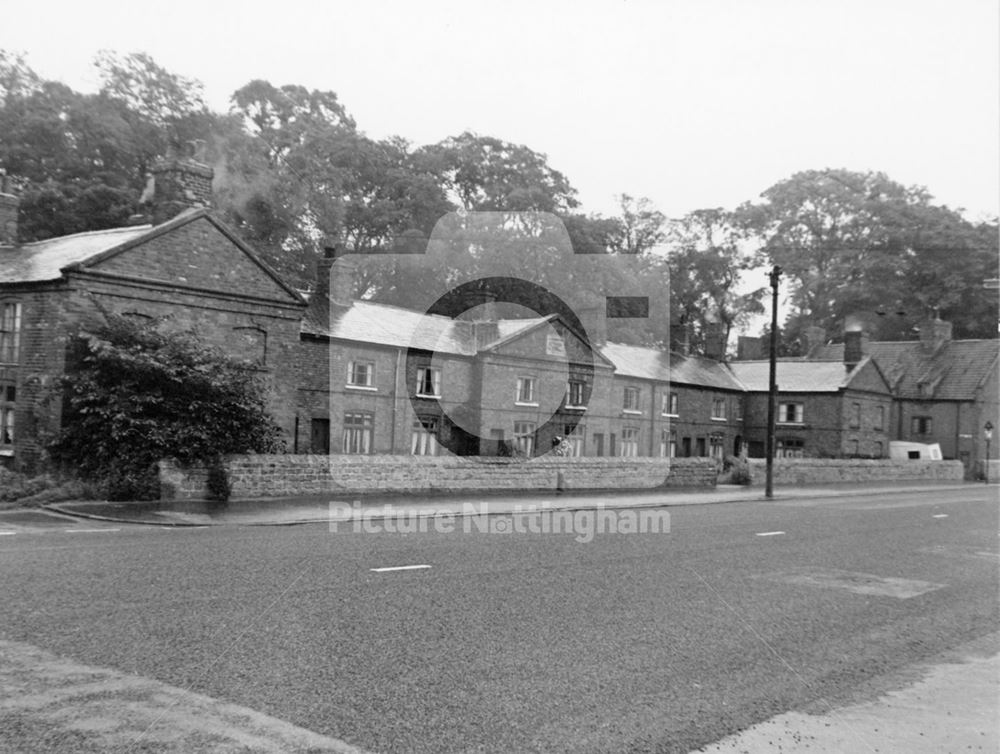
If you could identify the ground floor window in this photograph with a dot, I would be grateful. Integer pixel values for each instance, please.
(8, 402)
(789, 448)
(716, 446)
(574, 434)
(358, 427)
(921, 425)
(524, 438)
(630, 442)
(423, 440)
(668, 443)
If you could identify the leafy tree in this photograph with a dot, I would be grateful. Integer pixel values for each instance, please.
(853, 244)
(136, 394)
(484, 173)
(707, 261)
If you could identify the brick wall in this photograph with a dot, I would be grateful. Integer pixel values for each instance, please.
(797, 471)
(287, 475)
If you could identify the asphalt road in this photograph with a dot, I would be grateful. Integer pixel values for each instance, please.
(520, 642)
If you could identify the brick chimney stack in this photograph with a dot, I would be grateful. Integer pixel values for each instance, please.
(934, 333)
(715, 342)
(855, 345)
(180, 182)
(9, 204)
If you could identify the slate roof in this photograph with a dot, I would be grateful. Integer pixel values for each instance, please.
(395, 327)
(654, 364)
(799, 376)
(44, 260)
(953, 372)
(385, 325)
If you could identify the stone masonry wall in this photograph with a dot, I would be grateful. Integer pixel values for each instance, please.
(254, 476)
(829, 471)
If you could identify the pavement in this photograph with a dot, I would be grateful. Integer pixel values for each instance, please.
(306, 509)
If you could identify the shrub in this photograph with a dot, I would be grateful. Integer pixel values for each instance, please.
(134, 394)
(736, 470)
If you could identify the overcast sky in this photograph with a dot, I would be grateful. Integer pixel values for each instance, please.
(692, 103)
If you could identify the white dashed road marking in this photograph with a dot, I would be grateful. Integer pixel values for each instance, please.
(769, 533)
(88, 531)
(398, 568)
(7, 533)
(940, 515)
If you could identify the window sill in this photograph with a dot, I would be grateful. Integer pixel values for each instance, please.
(7, 452)
(631, 412)
(671, 416)
(790, 424)
(522, 403)
(429, 395)
(719, 419)
(575, 408)
(364, 388)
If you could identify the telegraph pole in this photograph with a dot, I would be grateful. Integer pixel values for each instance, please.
(772, 386)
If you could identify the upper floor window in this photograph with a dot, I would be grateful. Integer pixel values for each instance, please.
(880, 418)
(855, 416)
(429, 382)
(361, 374)
(525, 390)
(790, 413)
(10, 333)
(719, 408)
(669, 404)
(575, 397)
(630, 399)
(921, 425)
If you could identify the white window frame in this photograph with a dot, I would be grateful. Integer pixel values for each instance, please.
(358, 438)
(522, 397)
(783, 411)
(570, 403)
(435, 382)
(669, 404)
(631, 407)
(795, 451)
(8, 408)
(576, 440)
(524, 437)
(628, 442)
(719, 415)
(10, 332)
(424, 441)
(353, 383)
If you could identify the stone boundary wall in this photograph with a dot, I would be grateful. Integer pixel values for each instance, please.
(255, 476)
(797, 471)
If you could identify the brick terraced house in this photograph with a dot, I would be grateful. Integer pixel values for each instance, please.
(188, 267)
(356, 377)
